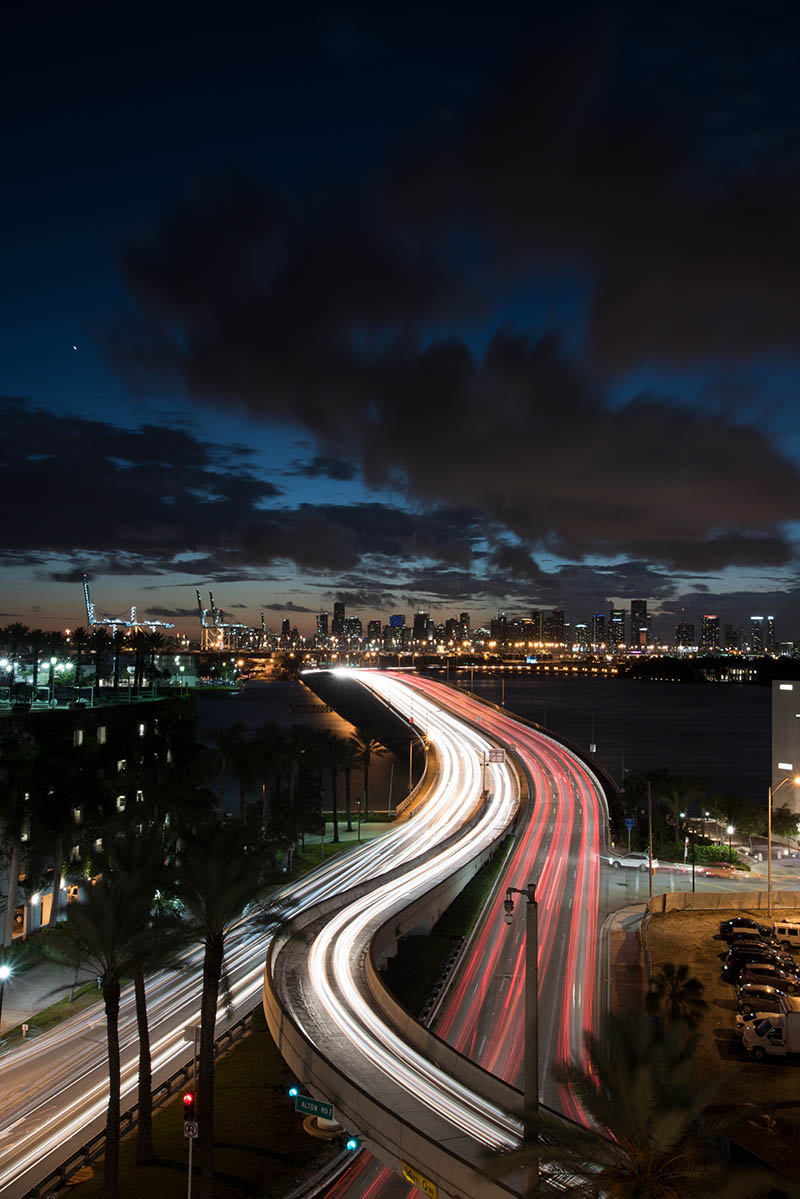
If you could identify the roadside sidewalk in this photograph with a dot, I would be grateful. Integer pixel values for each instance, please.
(625, 977)
(31, 991)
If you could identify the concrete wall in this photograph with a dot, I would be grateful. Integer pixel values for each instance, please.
(713, 901)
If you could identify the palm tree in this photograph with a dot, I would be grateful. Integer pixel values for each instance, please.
(156, 644)
(141, 856)
(109, 931)
(639, 1086)
(219, 874)
(80, 640)
(37, 641)
(273, 749)
(676, 995)
(225, 742)
(101, 643)
(675, 793)
(349, 759)
(14, 637)
(244, 760)
(368, 745)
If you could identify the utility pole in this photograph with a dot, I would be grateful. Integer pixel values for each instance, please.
(531, 1073)
(650, 831)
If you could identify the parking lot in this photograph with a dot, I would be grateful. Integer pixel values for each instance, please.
(693, 937)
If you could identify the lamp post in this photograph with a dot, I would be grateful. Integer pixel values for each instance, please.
(5, 974)
(358, 819)
(773, 791)
(53, 681)
(531, 1076)
(730, 835)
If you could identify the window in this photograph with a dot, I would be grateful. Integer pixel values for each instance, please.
(76, 815)
(139, 796)
(101, 734)
(120, 803)
(121, 764)
(142, 728)
(76, 853)
(77, 737)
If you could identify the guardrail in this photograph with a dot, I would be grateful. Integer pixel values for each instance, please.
(94, 1148)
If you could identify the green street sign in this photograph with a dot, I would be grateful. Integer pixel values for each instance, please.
(313, 1107)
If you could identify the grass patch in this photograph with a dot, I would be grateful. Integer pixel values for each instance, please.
(260, 1146)
(86, 996)
(411, 974)
(688, 936)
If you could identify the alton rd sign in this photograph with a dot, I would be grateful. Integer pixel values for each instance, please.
(313, 1107)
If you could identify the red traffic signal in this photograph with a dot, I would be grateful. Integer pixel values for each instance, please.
(188, 1105)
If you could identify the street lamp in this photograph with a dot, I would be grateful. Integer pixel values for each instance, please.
(52, 680)
(5, 974)
(773, 791)
(531, 1077)
(730, 835)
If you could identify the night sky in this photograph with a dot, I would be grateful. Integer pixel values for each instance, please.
(409, 306)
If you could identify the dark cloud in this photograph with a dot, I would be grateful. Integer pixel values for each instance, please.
(171, 613)
(519, 434)
(631, 164)
(339, 469)
(112, 514)
(288, 607)
(654, 151)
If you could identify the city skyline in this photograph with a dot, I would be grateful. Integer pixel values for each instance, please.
(515, 333)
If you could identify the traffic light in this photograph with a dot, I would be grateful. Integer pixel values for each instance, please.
(351, 1144)
(188, 1105)
(294, 1091)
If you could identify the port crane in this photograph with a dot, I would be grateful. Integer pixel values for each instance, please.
(117, 622)
(216, 631)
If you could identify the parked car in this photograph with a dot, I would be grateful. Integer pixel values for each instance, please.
(741, 956)
(771, 973)
(758, 997)
(742, 1019)
(634, 861)
(786, 933)
(752, 936)
(727, 926)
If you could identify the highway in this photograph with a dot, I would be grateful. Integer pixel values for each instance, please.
(53, 1097)
(558, 847)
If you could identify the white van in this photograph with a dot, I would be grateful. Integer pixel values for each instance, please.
(788, 934)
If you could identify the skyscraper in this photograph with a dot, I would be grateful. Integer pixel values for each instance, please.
(709, 633)
(322, 624)
(640, 624)
(398, 621)
(374, 631)
(616, 628)
(554, 627)
(337, 626)
(421, 626)
(769, 635)
(463, 626)
(756, 634)
(684, 635)
(599, 628)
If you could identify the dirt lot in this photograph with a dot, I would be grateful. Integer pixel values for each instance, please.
(693, 937)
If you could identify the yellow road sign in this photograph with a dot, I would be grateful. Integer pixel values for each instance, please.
(419, 1180)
